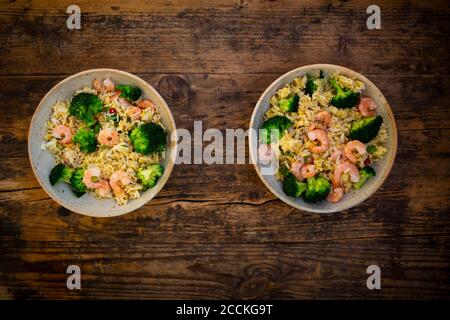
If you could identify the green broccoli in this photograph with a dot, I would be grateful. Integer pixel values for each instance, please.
(148, 138)
(150, 175)
(78, 186)
(60, 173)
(292, 187)
(364, 174)
(114, 117)
(85, 106)
(86, 140)
(283, 170)
(317, 189)
(365, 129)
(371, 149)
(321, 74)
(343, 98)
(128, 92)
(310, 86)
(289, 104)
(275, 125)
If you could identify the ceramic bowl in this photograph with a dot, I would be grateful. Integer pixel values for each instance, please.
(42, 161)
(382, 167)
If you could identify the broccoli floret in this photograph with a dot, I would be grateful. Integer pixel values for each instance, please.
(365, 129)
(85, 106)
(310, 86)
(292, 187)
(317, 189)
(289, 104)
(60, 173)
(321, 74)
(78, 186)
(148, 138)
(128, 92)
(150, 175)
(371, 149)
(364, 174)
(283, 170)
(279, 123)
(343, 98)
(86, 140)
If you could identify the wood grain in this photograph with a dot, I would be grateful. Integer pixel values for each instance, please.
(232, 37)
(215, 231)
(118, 270)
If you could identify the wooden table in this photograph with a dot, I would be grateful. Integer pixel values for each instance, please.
(215, 231)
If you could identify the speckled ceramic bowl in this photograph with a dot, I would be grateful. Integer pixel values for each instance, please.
(382, 167)
(42, 161)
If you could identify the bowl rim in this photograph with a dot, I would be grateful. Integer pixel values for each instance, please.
(389, 162)
(167, 171)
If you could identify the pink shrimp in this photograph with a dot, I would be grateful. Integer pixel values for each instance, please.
(296, 169)
(104, 190)
(144, 104)
(324, 117)
(345, 167)
(97, 85)
(124, 102)
(116, 96)
(265, 153)
(117, 181)
(109, 85)
(355, 150)
(108, 137)
(308, 171)
(322, 137)
(367, 107)
(91, 178)
(134, 113)
(63, 134)
(335, 195)
(338, 155)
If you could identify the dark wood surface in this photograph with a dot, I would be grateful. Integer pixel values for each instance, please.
(216, 231)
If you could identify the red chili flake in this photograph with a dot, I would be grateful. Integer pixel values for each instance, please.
(112, 110)
(367, 161)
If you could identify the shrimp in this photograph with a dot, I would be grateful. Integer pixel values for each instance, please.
(354, 148)
(108, 137)
(324, 117)
(335, 195)
(338, 155)
(91, 178)
(115, 96)
(296, 169)
(367, 107)
(117, 181)
(109, 85)
(97, 86)
(124, 103)
(134, 113)
(322, 137)
(71, 157)
(63, 134)
(265, 153)
(104, 191)
(345, 167)
(144, 104)
(308, 171)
